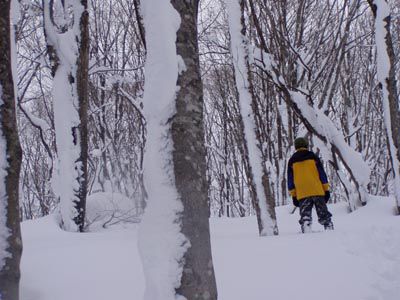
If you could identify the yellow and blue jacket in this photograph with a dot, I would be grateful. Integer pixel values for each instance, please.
(306, 175)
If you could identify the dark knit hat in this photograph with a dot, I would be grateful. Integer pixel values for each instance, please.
(300, 142)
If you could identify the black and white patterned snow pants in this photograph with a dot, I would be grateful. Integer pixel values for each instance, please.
(324, 216)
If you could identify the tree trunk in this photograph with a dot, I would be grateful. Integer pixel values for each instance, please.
(139, 19)
(189, 159)
(10, 164)
(387, 79)
(260, 188)
(82, 75)
(70, 102)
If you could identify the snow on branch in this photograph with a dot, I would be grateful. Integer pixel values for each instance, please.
(317, 122)
(241, 56)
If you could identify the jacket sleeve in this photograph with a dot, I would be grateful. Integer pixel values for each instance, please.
(290, 180)
(322, 174)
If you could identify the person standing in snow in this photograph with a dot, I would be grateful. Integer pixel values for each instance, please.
(308, 185)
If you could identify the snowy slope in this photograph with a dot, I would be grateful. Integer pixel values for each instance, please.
(359, 260)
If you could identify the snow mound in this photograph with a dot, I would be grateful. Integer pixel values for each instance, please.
(107, 209)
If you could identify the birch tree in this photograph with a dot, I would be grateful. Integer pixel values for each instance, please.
(66, 30)
(10, 163)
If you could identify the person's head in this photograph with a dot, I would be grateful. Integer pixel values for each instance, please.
(300, 142)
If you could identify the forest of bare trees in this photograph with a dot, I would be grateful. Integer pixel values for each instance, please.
(304, 56)
(323, 50)
(328, 70)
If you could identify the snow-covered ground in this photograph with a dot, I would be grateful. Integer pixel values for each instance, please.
(359, 260)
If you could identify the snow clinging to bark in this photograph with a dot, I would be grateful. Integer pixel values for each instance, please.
(324, 126)
(161, 243)
(383, 63)
(240, 52)
(4, 232)
(67, 152)
(383, 69)
(66, 116)
(15, 15)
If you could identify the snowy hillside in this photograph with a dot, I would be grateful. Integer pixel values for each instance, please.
(359, 260)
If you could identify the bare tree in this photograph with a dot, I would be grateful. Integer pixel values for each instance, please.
(70, 72)
(307, 86)
(321, 55)
(189, 159)
(387, 79)
(263, 199)
(117, 125)
(10, 163)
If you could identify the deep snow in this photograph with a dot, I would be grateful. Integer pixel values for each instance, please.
(359, 260)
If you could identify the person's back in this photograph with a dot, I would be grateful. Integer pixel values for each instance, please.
(308, 185)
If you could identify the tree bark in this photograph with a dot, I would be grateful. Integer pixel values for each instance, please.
(390, 96)
(139, 19)
(75, 98)
(11, 155)
(189, 159)
(263, 201)
(82, 76)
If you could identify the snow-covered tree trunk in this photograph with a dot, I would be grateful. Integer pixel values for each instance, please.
(174, 238)
(10, 163)
(265, 204)
(68, 47)
(161, 243)
(189, 158)
(387, 78)
(139, 19)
